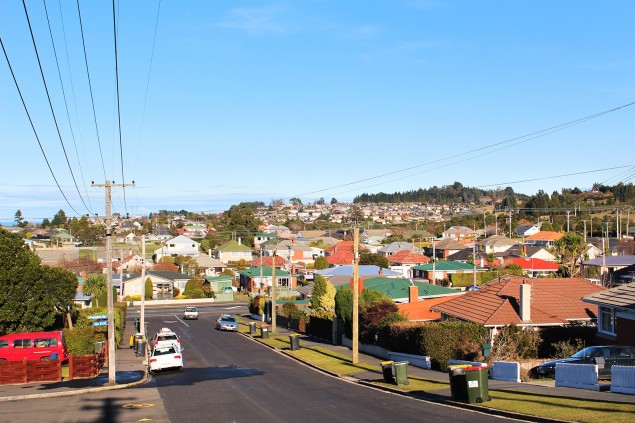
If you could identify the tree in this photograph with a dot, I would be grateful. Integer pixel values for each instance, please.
(571, 250)
(322, 298)
(321, 263)
(320, 201)
(295, 201)
(194, 289)
(46, 222)
(95, 284)
(31, 295)
(373, 259)
(147, 289)
(333, 201)
(59, 219)
(19, 220)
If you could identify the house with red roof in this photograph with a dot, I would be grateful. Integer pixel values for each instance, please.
(531, 303)
(280, 262)
(533, 267)
(405, 260)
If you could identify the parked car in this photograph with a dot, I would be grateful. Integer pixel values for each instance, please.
(605, 356)
(33, 346)
(166, 357)
(227, 322)
(166, 337)
(190, 313)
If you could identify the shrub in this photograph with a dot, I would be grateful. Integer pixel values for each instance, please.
(176, 292)
(373, 317)
(194, 289)
(563, 349)
(559, 335)
(257, 305)
(322, 298)
(513, 343)
(79, 341)
(467, 279)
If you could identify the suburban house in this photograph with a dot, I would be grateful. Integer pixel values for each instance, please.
(179, 246)
(163, 283)
(526, 230)
(533, 267)
(292, 250)
(196, 231)
(545, 239)
(261, 238)
(208, 265)
(443, 269)
(233, 251)
(524, 250)
(459, 232)
(393, 247)
(279, 230)
(616, 314)
(414, 299)
(531, 303)
(494, 244)
(444, 248)
(608, 265)
(280, 262)
(222, 286)
(256, 278)
(342, 274)
(402, 261)
(341, 258)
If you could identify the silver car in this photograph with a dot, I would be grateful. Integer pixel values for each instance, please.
(227, 322)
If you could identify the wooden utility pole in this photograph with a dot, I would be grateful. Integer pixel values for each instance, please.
(273, 292)
(355, 295)
(112, 348)
(142, 323)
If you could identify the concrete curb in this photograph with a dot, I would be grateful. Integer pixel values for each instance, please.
(421, 397)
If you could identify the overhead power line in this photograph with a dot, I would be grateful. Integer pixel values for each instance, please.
(90, 86)
(26, 109)
(48, 96)
(519, 140)
(68, 116)
(123, 179)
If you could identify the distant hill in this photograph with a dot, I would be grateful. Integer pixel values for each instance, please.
(447, 194)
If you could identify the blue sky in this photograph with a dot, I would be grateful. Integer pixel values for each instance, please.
(260, 100)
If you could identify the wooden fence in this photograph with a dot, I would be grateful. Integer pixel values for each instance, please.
(87, 366)
(27, 371)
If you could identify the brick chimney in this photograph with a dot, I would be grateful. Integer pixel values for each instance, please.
(525, 303)
(360, 285)
(413, 294)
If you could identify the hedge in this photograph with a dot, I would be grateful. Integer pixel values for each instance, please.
(467, 279)
(120, 310)
(441, 341)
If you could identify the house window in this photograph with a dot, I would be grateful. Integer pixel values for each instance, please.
(607, 320)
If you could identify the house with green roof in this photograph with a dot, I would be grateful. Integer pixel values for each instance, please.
(413, 298)
(257, 279)
(441, 269)
(233, 251)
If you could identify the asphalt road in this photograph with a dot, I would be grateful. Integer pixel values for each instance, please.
(231, 378)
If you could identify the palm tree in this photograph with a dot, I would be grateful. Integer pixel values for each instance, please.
(96, 285)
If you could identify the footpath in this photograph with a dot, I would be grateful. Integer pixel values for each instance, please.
(130, 371)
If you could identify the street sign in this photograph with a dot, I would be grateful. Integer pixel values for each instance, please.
(101, 323)
(98, 316)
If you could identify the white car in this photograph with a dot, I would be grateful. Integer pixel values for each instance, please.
(166, 357)
(166, 337)
(190, 313)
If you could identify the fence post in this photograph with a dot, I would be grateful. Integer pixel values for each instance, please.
(70, 366)
(59, 370)
(26, 370)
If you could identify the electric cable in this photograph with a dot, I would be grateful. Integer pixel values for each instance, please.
(48, 96)
(26, 109)
(90, 86)
(68, 116)
(123, 179)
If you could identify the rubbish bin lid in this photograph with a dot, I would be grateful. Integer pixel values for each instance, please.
(401, 362)
(479, 368)
(387, 362)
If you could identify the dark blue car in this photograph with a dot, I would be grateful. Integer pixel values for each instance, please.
(605, 356)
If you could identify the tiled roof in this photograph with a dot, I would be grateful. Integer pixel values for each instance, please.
(340, 246)
(341, 257)
(444, 266)
(408, 257)
(545, 236)
(625, 260)
(553, 301)
(268, 261)
(622, 297)
(532, 263)
(449, 244)
(393, 247)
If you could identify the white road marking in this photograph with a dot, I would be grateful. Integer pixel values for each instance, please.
(177, 318)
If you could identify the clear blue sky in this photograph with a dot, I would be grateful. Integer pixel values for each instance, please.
(260, 100)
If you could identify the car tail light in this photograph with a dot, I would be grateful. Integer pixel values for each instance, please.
(153, 360)
(156, 343)
(177, 356)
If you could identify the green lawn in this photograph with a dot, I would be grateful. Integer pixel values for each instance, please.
(548, 406)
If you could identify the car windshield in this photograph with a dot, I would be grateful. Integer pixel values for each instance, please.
(228, 319)
(587, 352)
(190, 309)
(164, 351)
(166, 338)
